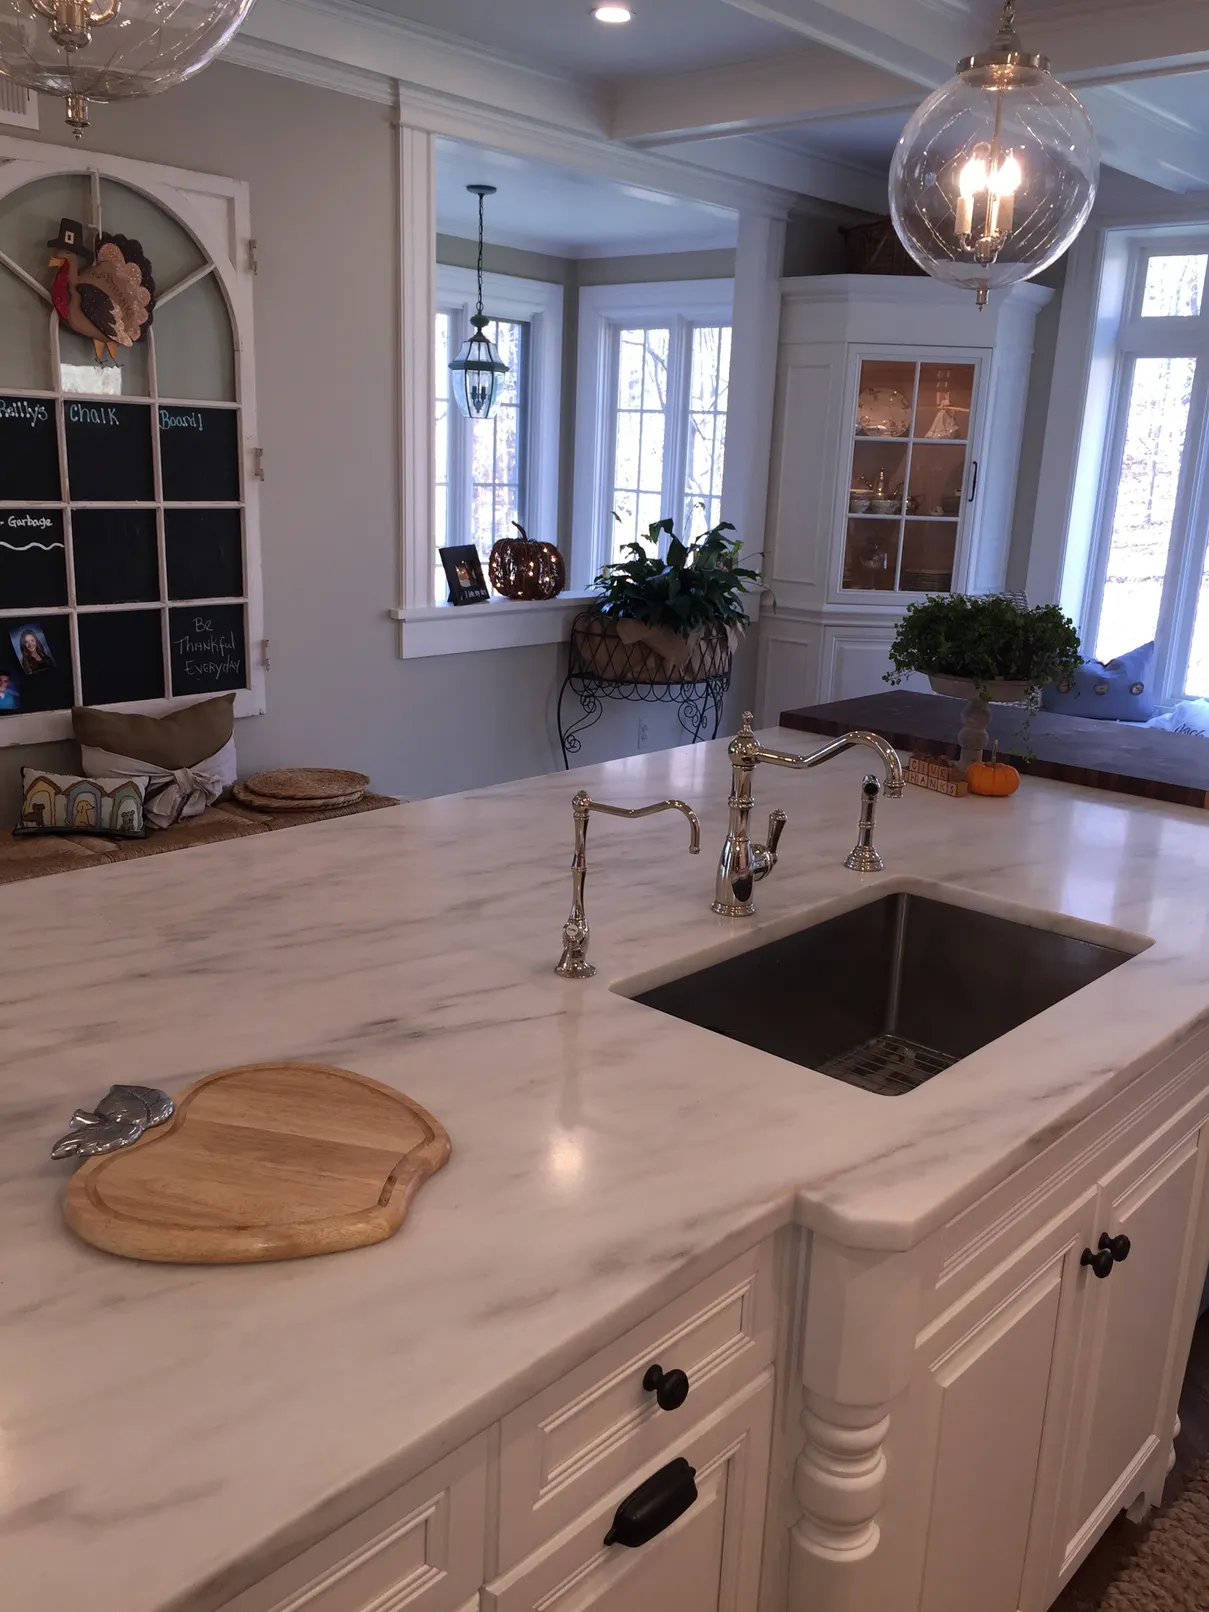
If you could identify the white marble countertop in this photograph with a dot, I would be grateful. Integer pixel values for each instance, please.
(167, 1433)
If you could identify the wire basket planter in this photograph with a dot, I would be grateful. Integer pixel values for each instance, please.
(601, 667)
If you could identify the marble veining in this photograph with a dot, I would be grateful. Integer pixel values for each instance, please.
(604, 1155)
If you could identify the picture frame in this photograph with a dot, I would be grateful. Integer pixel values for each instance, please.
(464, 573)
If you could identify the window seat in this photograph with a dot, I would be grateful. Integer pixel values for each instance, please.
(1120, 756)
(29, 858)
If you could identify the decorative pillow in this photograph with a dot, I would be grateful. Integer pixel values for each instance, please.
(57, 803)
(183, 792)
(1189, 716)
(180, 739)
(1110, 691)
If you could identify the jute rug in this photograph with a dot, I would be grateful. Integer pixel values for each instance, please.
(1162, 1567)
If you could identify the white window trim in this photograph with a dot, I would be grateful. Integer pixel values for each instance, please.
(429, 627)
(215, 210)
(603, 310)
(1101, 332)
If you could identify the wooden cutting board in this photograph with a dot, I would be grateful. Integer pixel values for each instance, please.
(269, 1161)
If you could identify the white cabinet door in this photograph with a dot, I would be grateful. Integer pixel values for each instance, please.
(987, 1423)
(1139, 1321)
(707, 1561)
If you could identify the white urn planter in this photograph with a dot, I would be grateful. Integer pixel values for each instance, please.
(976, 717)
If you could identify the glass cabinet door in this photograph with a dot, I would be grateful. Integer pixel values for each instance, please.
(911, 444)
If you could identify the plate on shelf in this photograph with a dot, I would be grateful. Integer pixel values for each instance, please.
(882, 411)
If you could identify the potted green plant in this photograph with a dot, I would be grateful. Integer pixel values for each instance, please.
(984, 650)
(674, 618)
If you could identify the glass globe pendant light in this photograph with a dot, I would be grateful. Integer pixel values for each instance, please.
(478, 370)
(110, 50)
(995, 174)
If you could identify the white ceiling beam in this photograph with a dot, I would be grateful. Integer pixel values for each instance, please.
(847, 191)
(923, 39)
(775, 93)
(1141, 140)
(914, 41)
(1118, 42)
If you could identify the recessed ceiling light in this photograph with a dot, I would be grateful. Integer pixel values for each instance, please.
(612, 13)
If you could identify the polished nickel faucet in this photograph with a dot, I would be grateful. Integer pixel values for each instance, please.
(574, 964)
(742, 864)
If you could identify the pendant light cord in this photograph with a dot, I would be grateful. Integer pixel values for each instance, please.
(479, 309)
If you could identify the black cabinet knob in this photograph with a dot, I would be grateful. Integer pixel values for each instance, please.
(670, 1388)
(1118, 1247)
(654, 1505)
(1101, 1261)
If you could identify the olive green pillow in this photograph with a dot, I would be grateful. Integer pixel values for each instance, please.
(179, 739)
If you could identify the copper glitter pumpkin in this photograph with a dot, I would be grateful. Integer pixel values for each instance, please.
(519, 568)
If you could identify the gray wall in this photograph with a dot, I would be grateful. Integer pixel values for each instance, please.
(322, 171)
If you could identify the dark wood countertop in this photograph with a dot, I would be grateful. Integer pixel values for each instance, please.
(1072, 749)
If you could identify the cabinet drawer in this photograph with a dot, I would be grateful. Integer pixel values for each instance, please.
(708, 1560)
(419, 1550)
(578, 1439)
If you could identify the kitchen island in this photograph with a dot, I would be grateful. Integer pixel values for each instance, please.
(171, 1435)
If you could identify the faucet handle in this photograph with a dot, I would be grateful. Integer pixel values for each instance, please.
(776, 827)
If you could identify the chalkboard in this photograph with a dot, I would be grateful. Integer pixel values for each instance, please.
(33, 560)
(114, 555)
(209, 650)
(109, 451)
(199, 454)
(121, 656)
(204, 551)
(29, 450)
(35, 676)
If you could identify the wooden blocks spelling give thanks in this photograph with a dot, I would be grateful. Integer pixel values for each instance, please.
(940, 776)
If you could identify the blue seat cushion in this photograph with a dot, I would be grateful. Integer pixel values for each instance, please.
(1117, 690)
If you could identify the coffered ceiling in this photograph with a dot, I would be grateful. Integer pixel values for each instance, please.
(832, 81)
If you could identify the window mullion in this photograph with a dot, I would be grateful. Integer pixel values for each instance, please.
(675, 442)
(608, 403)
(1186, 557)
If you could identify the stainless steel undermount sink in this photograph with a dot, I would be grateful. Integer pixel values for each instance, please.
(886, 995)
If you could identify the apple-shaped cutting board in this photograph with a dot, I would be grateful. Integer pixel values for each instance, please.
(270, 1161)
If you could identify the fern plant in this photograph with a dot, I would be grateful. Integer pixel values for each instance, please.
(691, 586)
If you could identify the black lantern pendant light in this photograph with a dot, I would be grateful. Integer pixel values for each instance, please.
(478, 370)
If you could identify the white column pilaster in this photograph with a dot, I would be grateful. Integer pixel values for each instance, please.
(417, 386)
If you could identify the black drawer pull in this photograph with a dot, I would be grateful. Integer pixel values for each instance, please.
(1101, 1261)
(654, 1505)
(670, 1388)
(1110, 1251)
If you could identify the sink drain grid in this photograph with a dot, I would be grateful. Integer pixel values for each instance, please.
(888, 1065)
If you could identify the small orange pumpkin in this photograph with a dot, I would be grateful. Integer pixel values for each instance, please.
(992, 777)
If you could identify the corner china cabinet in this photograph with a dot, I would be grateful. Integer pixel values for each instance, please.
(896, 444)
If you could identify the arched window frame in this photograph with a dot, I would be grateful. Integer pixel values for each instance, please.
(214, 211)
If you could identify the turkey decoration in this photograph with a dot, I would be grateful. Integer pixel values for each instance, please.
(106, 295)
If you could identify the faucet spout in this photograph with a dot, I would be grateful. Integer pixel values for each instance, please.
(574, 964)
(742, 865)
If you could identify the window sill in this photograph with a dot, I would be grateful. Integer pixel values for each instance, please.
(446, 629)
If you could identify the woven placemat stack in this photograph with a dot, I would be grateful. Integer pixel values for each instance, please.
(302, 789)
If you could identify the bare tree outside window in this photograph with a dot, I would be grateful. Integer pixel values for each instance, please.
(708, 385)
(642, 400)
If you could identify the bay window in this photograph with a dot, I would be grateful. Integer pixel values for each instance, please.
(1148, 570)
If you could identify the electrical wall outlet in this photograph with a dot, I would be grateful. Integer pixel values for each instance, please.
(644, 734)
